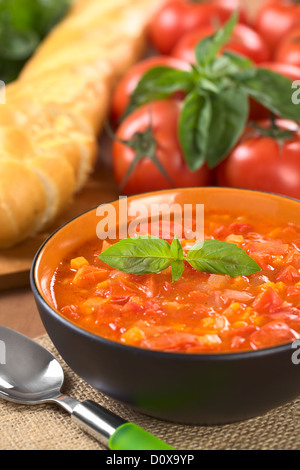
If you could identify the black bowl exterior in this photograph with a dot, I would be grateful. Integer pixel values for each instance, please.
(188, 389)
(182, 388)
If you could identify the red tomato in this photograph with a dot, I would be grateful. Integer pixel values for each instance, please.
(177, 17)
(259, 112)
(244, 41)
(289, 49)
(275, 19)
(262, 163)
(146, 176)
(128, 83)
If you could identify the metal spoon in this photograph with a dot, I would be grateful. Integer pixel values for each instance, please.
(30, 375)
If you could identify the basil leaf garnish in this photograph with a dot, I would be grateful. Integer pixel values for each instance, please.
(139, 255)
(144, 255)
(215, 256)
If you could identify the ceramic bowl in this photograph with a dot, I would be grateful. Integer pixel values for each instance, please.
(177, 387)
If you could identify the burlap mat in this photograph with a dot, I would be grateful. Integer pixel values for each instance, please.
(48, 427)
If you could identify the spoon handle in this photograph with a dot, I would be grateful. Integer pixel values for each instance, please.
(112, 431)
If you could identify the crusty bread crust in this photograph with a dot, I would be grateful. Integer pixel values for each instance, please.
(56, 110)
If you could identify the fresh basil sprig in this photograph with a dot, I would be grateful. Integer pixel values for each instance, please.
(217, 90)
(145, 254)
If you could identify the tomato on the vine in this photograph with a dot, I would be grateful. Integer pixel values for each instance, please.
(288, 50)
(259, 112)
(275, 19)
(146, 152)
(244, 41)
(128, 83)
(265, 159)
(177, 17)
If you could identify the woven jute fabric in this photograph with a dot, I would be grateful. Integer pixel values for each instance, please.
(48, 427)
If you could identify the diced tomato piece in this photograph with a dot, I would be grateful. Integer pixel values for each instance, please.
(70, 310)
(198, 296)
(237, 342)
(267, 302)
(120, 299)
(172, 340)
(162, 229)
(288, 274)
(293, 292)
(89, 275)
(240, 228)
(243, 331)
(272, 334)
(293, 258)
(132, 307)
(273, 247)
(221, 232)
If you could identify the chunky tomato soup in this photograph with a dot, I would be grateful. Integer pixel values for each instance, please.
(199, 313)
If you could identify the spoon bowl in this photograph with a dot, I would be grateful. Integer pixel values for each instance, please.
(30, 375)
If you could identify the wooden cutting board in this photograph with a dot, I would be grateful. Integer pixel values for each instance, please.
(15, 263)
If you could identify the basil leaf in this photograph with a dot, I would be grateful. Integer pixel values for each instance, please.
(207, 49)
(158, 83)
(188, 129)
(230, 62)
(176, 249)
(139, 255)
(271, 89)
(228, 117)
(219, 257)
(177, 270)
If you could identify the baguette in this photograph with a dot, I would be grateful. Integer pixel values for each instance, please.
(56, 109)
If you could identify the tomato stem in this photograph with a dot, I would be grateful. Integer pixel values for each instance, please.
(144, 144)
(274, 132)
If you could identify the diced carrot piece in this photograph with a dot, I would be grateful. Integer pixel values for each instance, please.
(236, 239)
(208, 322)
(132, 336)
(92, 305)
(77, 263)
(239, 324)
(275, 232)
